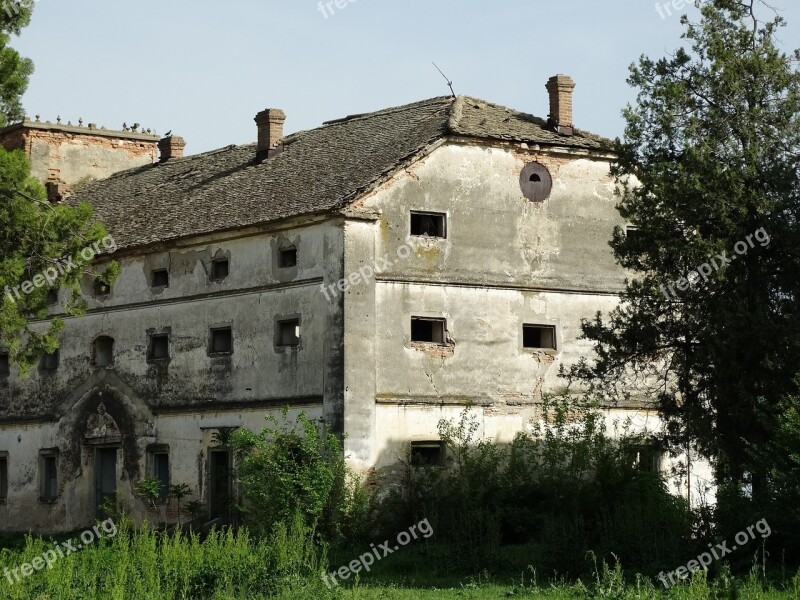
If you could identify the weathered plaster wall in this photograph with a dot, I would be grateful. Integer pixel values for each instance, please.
(188, 436)
(177, 403)
(74, 155)
(487, 363)
(249, 300)
(505, 261)
(495, 235)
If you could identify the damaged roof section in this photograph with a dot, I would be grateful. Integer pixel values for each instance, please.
(318, 170)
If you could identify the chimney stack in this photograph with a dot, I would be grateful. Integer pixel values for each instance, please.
(171, 147)
(560, 88)
(270, 131)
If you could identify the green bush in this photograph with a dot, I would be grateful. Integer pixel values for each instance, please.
(560, 490)
(288, 469)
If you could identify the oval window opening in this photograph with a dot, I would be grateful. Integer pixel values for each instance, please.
(536, 182)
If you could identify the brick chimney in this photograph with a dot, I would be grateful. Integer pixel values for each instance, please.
(560, 88)
(171, 147)
(270, 131)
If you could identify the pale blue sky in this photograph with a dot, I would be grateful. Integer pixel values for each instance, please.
(204, 68)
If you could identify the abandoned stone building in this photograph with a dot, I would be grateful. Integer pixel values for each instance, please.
(382, 272)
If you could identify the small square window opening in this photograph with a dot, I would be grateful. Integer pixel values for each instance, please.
(289, 333)
(159, 347)
(160, 278)
(220, 268)
(101, 288)
(631, 232)
(645, 457)
(49, 362)
(288, 258)
(427, 453)
(221, 341)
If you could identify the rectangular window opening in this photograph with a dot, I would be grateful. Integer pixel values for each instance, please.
(541, 337)
(427, 453)
(289, 332)
(221, 341)
(49, 481)
(160, 470)
(428, 330)
(646, 457)
(159, 347)
(220, 492)
(5, 365)
(160, 278)
(429, 224)
(288, 258)
(3, 477)
(220, 268)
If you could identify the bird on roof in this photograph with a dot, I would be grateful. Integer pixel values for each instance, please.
(169, 133)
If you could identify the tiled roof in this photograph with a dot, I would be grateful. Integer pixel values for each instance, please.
(319, 170)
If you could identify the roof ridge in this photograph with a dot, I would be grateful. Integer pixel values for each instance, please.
(386, 111)
(456, 112)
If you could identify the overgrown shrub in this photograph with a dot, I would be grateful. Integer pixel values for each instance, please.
(562, 489)
(152, 565)
(290, 468)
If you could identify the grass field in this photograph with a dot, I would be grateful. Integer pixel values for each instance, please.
(148, 565)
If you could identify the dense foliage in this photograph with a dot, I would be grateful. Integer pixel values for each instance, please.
(291, 468)
(561, 490)
(710, 166)
(37, 239)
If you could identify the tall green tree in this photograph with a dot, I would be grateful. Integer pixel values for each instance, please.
(15, 71)
(709, 169)
(41, 243)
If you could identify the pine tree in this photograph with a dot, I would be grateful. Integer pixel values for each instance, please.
(709, 169)
(40, 242)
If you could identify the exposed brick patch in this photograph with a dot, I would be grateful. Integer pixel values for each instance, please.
(73, 155)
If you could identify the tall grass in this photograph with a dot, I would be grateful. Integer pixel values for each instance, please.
(152, 565)
(149, 565)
